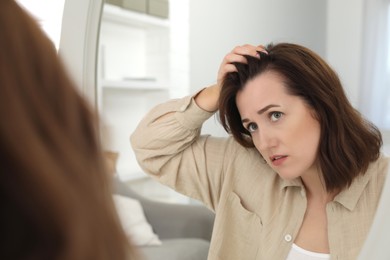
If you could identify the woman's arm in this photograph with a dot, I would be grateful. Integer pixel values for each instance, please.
(168, 144)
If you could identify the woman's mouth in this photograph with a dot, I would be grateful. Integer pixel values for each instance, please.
(277, 160)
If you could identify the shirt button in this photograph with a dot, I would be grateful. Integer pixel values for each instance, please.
(288, 238)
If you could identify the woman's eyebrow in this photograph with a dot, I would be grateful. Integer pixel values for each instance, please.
(261, 111)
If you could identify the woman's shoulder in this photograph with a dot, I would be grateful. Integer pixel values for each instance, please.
(377, 170)
(381, 165)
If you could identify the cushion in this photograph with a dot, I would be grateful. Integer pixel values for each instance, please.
(134, 223)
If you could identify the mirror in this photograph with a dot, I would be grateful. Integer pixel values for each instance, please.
(213, 29)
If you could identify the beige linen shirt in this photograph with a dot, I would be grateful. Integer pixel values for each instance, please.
(258, 214)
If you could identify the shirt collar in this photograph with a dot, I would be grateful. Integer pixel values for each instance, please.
(349, 196)
(297, 182)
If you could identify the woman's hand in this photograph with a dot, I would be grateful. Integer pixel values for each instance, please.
(237, 55)
(207, 99)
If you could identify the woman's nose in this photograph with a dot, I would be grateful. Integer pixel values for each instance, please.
(266, 140)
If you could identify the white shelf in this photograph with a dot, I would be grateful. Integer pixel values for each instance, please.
(134, 84)
(119, 15)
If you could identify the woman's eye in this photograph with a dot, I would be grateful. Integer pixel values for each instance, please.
(251, 127)
(275, 116)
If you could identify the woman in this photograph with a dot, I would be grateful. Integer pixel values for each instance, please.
(55, 195)
(301, 174)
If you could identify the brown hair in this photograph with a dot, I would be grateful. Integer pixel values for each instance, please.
(348, 142)
(55, 194)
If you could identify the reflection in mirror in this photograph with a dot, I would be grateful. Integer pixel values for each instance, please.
(147, 56)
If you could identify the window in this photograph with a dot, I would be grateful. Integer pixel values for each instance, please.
(375, 88)
(49, 16)
(387, 121)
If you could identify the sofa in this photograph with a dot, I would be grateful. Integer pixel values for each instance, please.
(184, 230)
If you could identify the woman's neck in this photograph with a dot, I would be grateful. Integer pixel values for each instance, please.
(316, 189)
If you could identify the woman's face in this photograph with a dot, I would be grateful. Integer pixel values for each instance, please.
(282, 126)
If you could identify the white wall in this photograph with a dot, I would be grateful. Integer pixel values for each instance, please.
(219, 25)
(344, 43)
(344, 48)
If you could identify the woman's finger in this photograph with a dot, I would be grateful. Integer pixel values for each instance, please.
(232, 57)
(237, 55)
(247, 49)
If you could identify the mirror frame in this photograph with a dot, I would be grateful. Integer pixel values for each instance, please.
(79, 43)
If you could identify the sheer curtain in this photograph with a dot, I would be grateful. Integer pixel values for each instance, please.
(374, 100)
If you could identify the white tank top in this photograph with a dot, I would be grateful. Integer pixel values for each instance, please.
(298, 253)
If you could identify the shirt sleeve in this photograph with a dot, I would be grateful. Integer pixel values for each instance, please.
(169, 147)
